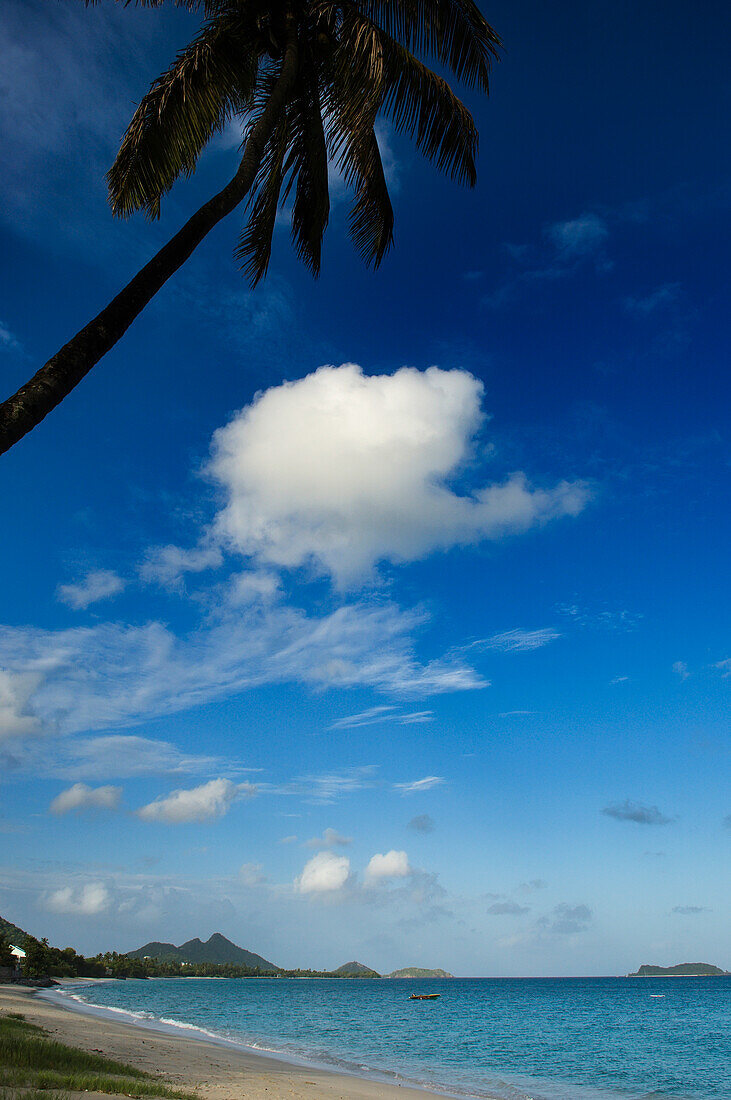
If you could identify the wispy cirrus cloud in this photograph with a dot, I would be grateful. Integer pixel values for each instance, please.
(660, 298)
(375, 715)
(113, 674)
(416, 785)
(333, 785)
(566, 248)
(518, 640)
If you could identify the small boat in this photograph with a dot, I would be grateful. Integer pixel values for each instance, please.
(424, 996)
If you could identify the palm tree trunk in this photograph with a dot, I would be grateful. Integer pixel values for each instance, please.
(21, 413)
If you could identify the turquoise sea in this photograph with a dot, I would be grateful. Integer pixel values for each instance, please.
(539, 1038)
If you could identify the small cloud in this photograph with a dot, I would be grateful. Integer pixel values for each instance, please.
(519, 640)
(81, 797)
(7, 339)
(328, 787)
(363, 718)
(689, 910)
(251, 874)
(329, 839)
(424, 784)
(531, 885)
(292, 839)
(16, 691)
(375, 715)
(660, 298)
(100, 584)
(422, 823)
(724, 666)
(578, 237)
(507, 909)
(210, 800)
(166, 565)
(619, 680)
(391, 864)
(323, 874)
(681, 669)
(567, 920)
(635, 811)
(87, 901)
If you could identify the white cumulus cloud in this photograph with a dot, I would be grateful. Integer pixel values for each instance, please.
(323, 874)
(82, 797)
(359, 473)
(87, 900)
(385, 865)
(212, 799)
(100, 584)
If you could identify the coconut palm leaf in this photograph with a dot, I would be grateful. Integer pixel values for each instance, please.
(211, 79)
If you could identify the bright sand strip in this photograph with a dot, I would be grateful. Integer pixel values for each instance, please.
(215, 1072)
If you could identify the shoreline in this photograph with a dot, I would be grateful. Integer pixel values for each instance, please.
(217, 1069)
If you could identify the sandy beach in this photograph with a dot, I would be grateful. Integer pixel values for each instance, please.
(215, 1072)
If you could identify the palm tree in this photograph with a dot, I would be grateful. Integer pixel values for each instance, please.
(308, 80)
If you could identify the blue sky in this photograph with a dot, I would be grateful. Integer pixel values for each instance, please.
(428, 565)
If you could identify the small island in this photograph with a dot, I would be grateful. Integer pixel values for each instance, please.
(419, 972)
(681, 970)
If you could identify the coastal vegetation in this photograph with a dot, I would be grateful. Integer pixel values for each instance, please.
(306, 84)
(217, 957)
(31, 1060)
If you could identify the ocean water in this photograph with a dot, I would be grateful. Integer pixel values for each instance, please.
(513, 1039)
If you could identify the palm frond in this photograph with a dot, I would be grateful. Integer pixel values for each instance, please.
(454, 32)
(371, 218)
(254, 249)
(307, 163)
(211, 79)
(422, 104)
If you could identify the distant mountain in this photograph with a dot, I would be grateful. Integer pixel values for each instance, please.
(419, 972)
(215, 950)
(682, 970)
(355, 970)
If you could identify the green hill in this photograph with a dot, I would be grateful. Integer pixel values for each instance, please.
(682, 970)
(11, 932)
(355, 970)
(216, 950)
(419, 972)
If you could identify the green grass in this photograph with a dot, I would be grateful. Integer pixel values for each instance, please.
(32, 1063)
